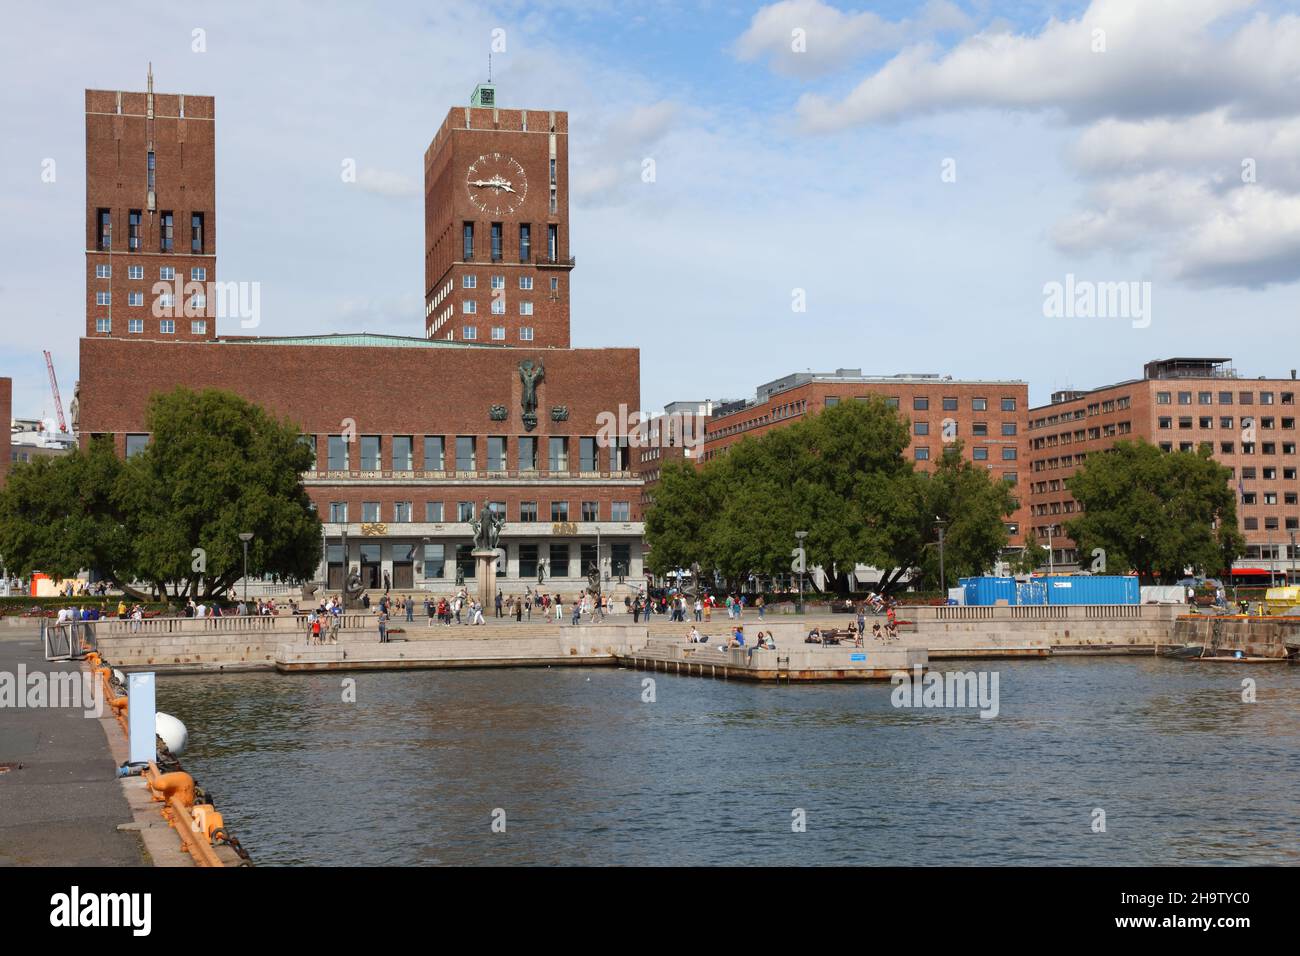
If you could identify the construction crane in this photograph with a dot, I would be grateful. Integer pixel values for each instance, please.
(54, 387)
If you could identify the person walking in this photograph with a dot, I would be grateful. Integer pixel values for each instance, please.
(383, 626)
(410, 610)
(498, 603)
(761, 604)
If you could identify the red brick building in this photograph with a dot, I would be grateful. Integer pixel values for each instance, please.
(413, 435)
(6, 416)
(1179, 404)
(151, 223)
(496, 225)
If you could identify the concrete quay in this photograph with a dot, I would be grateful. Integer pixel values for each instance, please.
(786, 663)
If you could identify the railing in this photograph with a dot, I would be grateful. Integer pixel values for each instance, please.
(234, 624)
(1035, 612)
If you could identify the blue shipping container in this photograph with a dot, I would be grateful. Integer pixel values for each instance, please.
(1093, 589)
(988, 590)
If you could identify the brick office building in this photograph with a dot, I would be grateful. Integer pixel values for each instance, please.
(496, 224)
(6, 416)
(439, 424)
(1178, 404)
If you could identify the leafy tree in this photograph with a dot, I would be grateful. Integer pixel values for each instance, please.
(171, 516)
(680, 518)
(1028, 560)
(1156, 512)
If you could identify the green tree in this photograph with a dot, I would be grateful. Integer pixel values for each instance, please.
(170, 516)
(1156, 512)
(1028, 560)
(678, 523)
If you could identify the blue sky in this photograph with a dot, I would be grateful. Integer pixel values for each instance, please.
(818, 170)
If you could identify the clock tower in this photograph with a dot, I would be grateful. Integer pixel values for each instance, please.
(496, 226)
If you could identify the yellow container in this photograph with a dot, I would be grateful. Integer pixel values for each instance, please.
(1282, 600)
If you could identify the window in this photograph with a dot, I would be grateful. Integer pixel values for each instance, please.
(167, 273)
(620, 511)
(979, 404)
(135, 298)
(498, 333)
(832, 401)
(555, 283)
(559, 561)
(467, 243)
(464, 511)
(1225, 422)
(528, 561)
(402, 512)
(1008, 428)
(920, 404)
(469, 332)
(133, 230)
(135, 326)
(433, 452)
(980, 429)
(1266, 398)
(1205, 398)
(370, 511)
(103, 298)
(921, 428)
(558, 454)
(104, 219)
(498, 305)
(136, 444)
(150, 170)
(525, 308)
(433, 512)
(559, 511)
(553, 242)
(167, 326)
(950, 404)
(1226, 447)
(892, 402)
(1165, 421)
(591, 511)
(1185, 421)
(1008, 454)
(526, 283)
(1184, 398)
(196, 233)
(403, 453)
(338, 453)
(435, 561)
(468, 307)
(465, 459)
(922, 454)
(588, 457)
(469, 282)
(526, 333)
(339, 512)
(1163, 398)
(527, 453)
(371, 453)
(166, 228)
(496, 453)
(103, 325)
(528, 514)
(103, 272)
(135, 272)
(498, 282)
(1008, 404)
(980, 454)
(199, 274)
(1225, 398)
(496, 242)
(525, 247)
(1245, 398)
(465, 562)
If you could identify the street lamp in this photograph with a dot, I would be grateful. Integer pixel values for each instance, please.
(246, 537)
(1292, 580)
(943, 578)
(802, 559)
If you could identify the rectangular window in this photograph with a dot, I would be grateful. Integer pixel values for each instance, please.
(465, 562)
(1225, 398)
(167, 326)
(339, 512)
(620, 557)
(469, 282)
(979, 429)
(496, 451)
(103, 325)
(979, 404)
(527, 452)
(433, 512)
(922, 454)
(559, 511)
(103, 298)
(525, 308)
(199, 327)
(196, 233)
(370, 511)
(1008, 428)
(526, 333)
(133, 220)
(558, 454)
(135, 298)
(921, 428)
(468, 307)
(435, 561)
(1008, 404)
(588, 455)
(467, 243)
(103, 272)
(1164, 398)
(1184, 398)
(552, 242)
(528, 561)
(464, 511)
(920, 404)
(525, 244)
(1008, 454)
(199, 274)
(498, 333)
(371, 453)
(136, 444)
(950, 404)
(559, 561)
(469, 332)
(1245, 398)
(150, 171)
(135, 326)
(403, 453)
(465, 459)
(591, 511)
(620, 511)
(528, 511)
(498, 305)
(135, 272)
(980, 454)
(338, 453)
(166, 228)
(555, 283)
(402, 512)
(526, 283)
(496, 242)
(104, 219)
(167, 273)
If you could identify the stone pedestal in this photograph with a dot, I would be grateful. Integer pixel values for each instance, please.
(485, 573)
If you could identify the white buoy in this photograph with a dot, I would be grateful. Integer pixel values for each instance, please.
(172, 732)
(119, 676)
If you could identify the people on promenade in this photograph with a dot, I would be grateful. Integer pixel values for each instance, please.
(519, 609)
(760, 604)
(313, 631)
(410, 609)
(383, 626)
(498, 603)
(559, 609)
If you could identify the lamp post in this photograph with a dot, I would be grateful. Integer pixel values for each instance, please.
(800, 535)
(1292, 576)
(246, 537)
(943, 578)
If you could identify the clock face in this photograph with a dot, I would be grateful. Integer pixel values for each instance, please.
(496, 183)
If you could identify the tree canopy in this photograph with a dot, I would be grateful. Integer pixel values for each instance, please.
(170, 516)
(1156, 512)
(842, 476)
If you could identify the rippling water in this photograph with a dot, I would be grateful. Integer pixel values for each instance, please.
(710, 772)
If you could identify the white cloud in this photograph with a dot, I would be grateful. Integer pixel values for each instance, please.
(384, 182)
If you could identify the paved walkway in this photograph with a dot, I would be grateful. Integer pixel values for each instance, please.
(64, 806)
